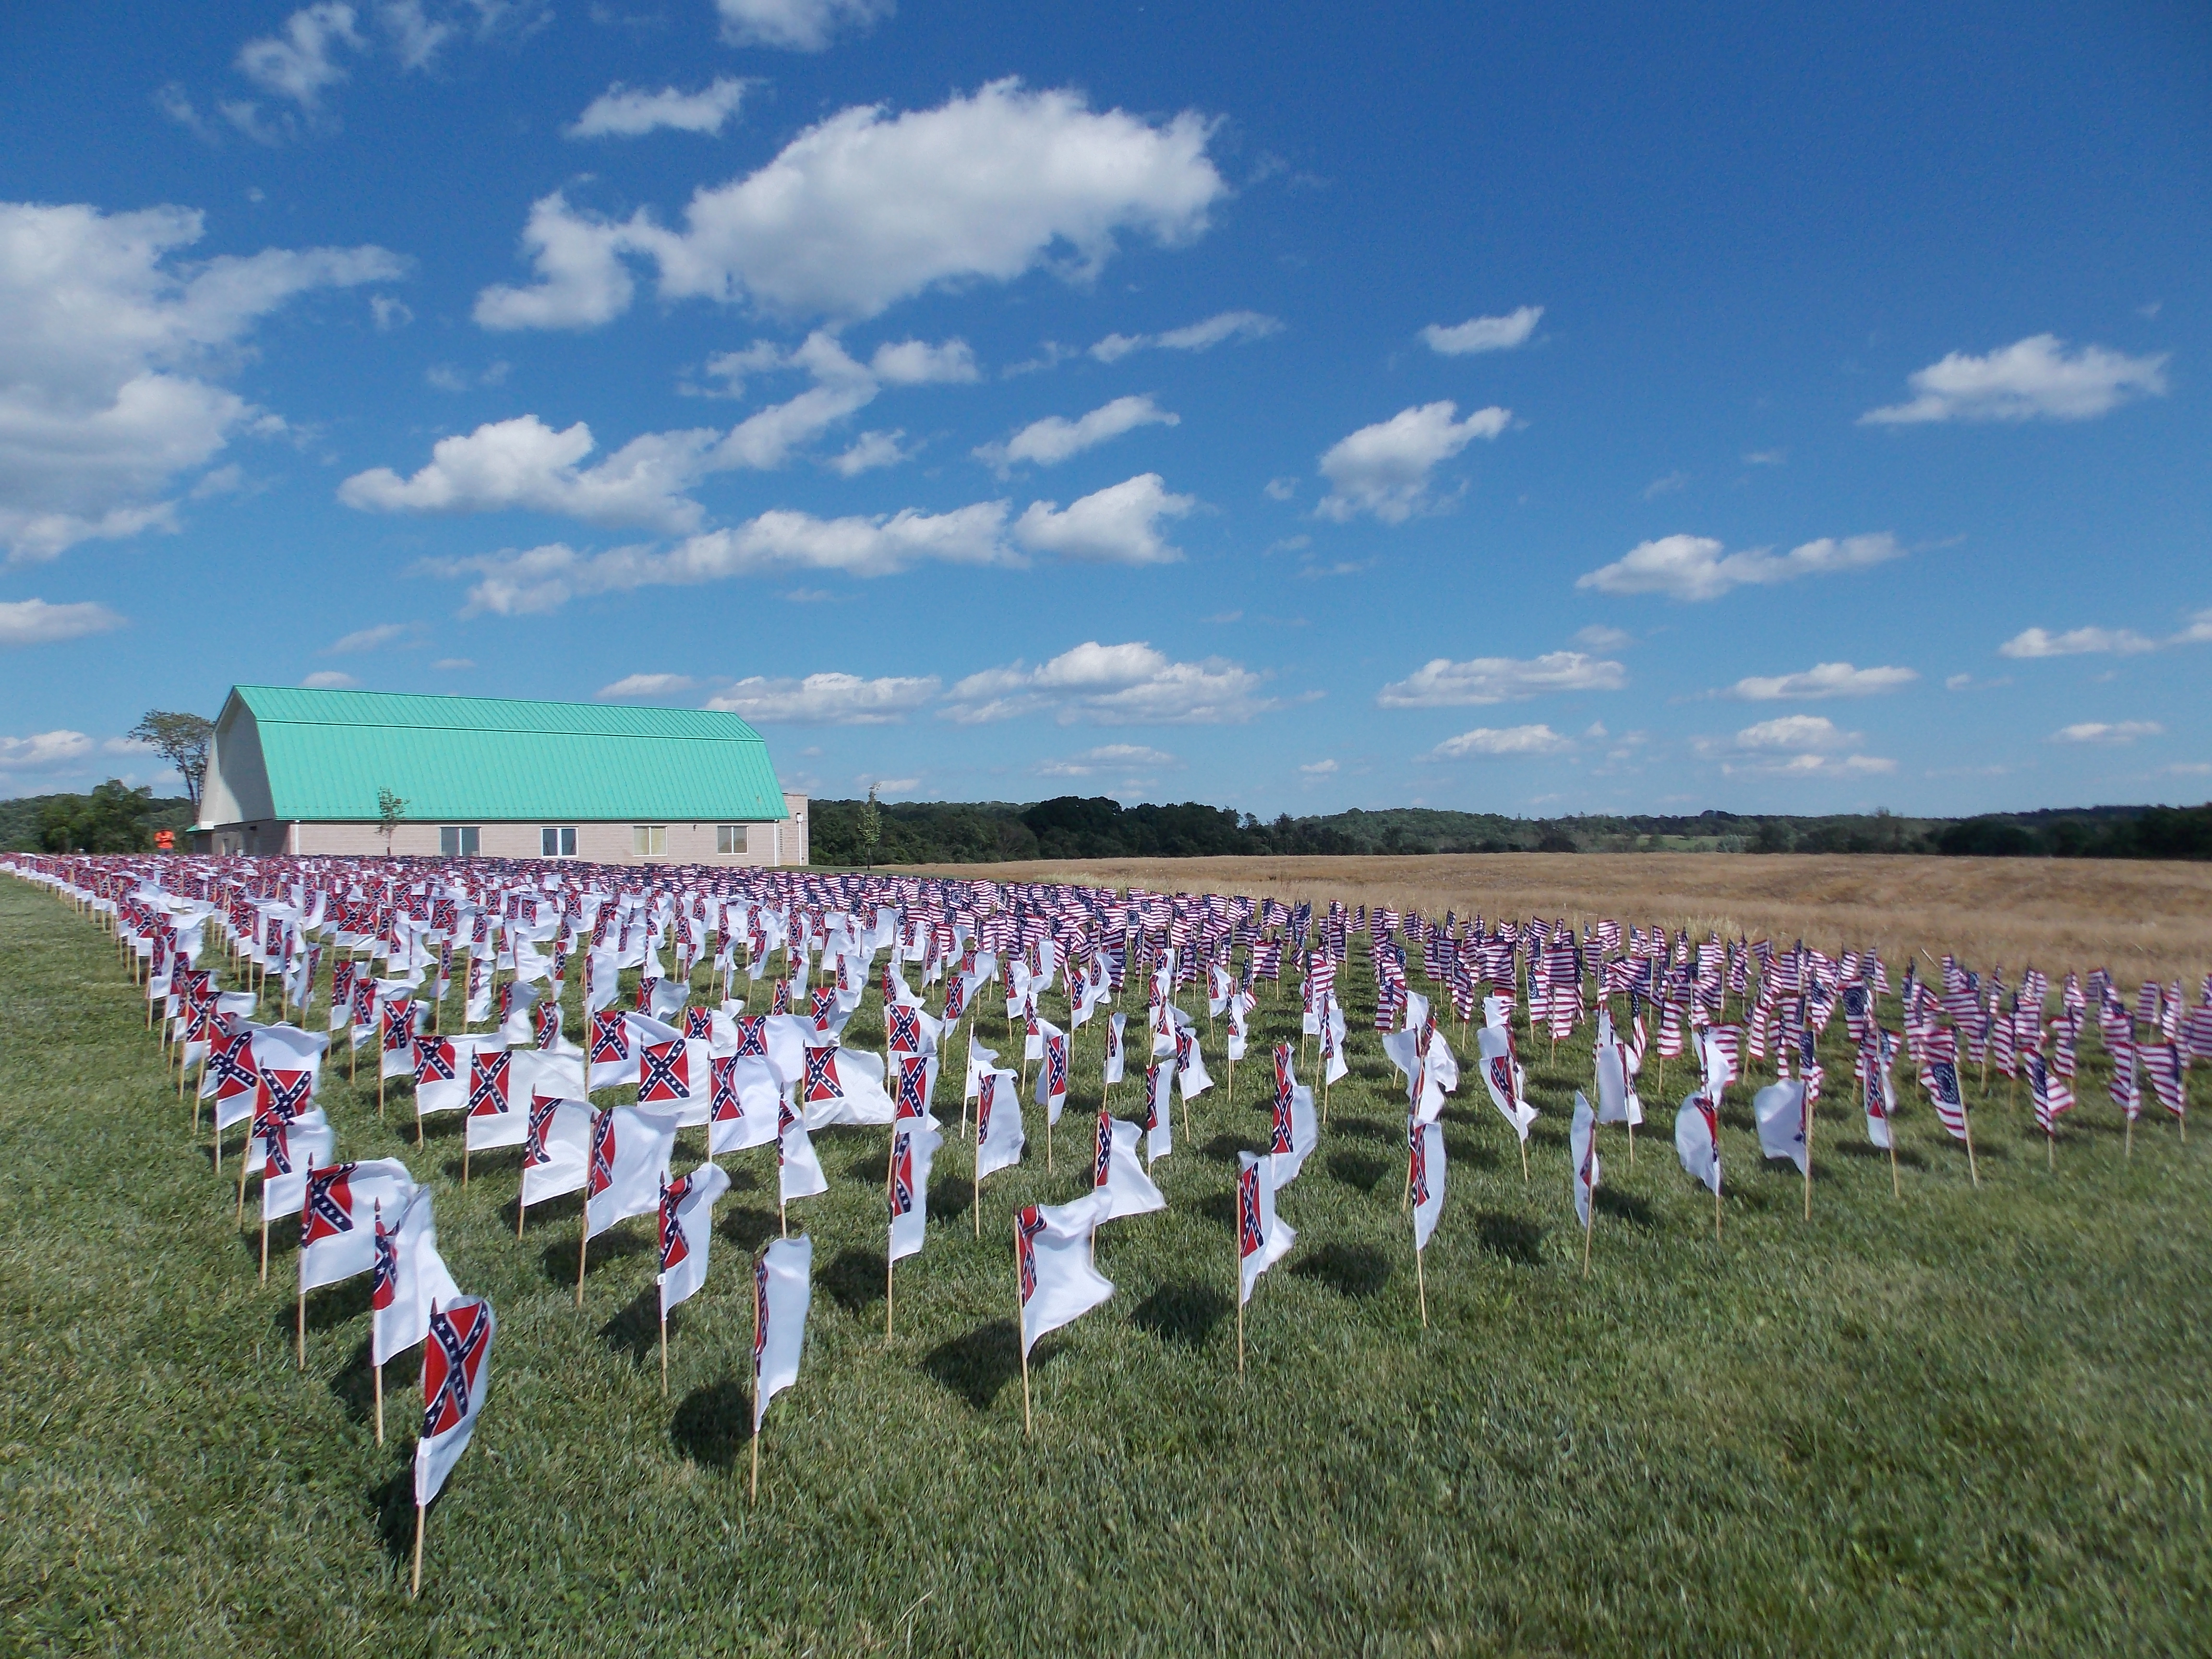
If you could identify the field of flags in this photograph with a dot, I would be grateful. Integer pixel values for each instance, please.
(639, 1035)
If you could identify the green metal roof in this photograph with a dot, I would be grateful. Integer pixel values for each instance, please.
(464, 759)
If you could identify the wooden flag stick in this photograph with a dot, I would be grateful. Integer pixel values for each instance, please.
(1716, 1214)
(302, 1338)
(664, 1353)
(1020, 1338)
(583, 1247)
(1589, 1225)
(1808, 1159)
(1967, 1122)
(378, 1373)
(890, 1269)
(415, 1583)
(1895, 1189)
(1421, 1286)
(464, 1149)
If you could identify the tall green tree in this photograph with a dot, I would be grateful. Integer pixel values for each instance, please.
(872, 827)
(181, 739)
(390, 808)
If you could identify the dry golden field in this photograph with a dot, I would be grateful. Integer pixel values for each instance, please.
(2139, 919)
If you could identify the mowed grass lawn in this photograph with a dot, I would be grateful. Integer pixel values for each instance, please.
(1967, 1420)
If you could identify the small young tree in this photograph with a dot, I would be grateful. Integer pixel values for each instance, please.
(872, 827)
(182, 741)
(390, 808)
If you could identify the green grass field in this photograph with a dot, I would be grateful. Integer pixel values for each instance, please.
(1970, 1420)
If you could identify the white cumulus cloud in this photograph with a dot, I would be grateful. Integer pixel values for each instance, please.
(1484, 333)
(301, 60)
(43, 750)
(2075, 642)
(2034, 379)
(827, 700)
(34, 621)
(870, 207)
(1384, 469)
(536, 581)
(523, 463)
(110, 351)
(623, 112)
(1119, 525)
(2115, 732)
(1052, 440)
(1128, 685)
(1107, 758)
(1825, 679)
(1442, 684)
(330, 679)
(1700, 568)
(1502, 740)
(648, 685)
(1793, 745)
(797, 25)
(1203, 336)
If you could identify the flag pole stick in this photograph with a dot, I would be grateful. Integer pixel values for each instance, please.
(377, 1370)
(1717, 1202)
(519, 1206)
(890, 1269)
(464, 1151)
(1021, 1336)
(1809, 1114)
(664, 1353)
(415, 1583)
(301, 1339)
(753, 1493)
(1967, 1123)
(1590, 1224)
(1895, 1189)
(583, 1246)
(1421, 1286)
(264, 1239)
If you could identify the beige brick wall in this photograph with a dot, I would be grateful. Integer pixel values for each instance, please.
(684, 842)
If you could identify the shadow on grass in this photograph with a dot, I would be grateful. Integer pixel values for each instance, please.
(635, 1330)
(713, 1425)
(1355, 1170)
(748, 1228)
(978, 1365)
(868, 1167)
(392, 1503)
(491, 1161)
(855, 1278)
(1217, 1207)
(1185, 1313)
(559, 1260)
(1479, 1153)
(1627, 1206)
(355, 1388)
(1906, 1158)
(1223, 1148)
(327, 1309)
(951, 1195)
(744, 1180)
(1353, 1270)
(1514, 1237)
(1360, 1128)
(554, 1212)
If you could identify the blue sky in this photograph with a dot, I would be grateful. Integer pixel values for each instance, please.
(1533, 409)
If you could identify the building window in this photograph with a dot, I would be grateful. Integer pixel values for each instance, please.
(558, 843)
(458, 841)
(729, 838)
(649, 841)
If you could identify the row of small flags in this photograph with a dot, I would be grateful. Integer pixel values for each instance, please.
(621, 1157)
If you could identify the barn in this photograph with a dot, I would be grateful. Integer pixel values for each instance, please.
(303, 771)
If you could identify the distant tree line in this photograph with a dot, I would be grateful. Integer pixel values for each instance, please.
(111, 817)
(1096, 827)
